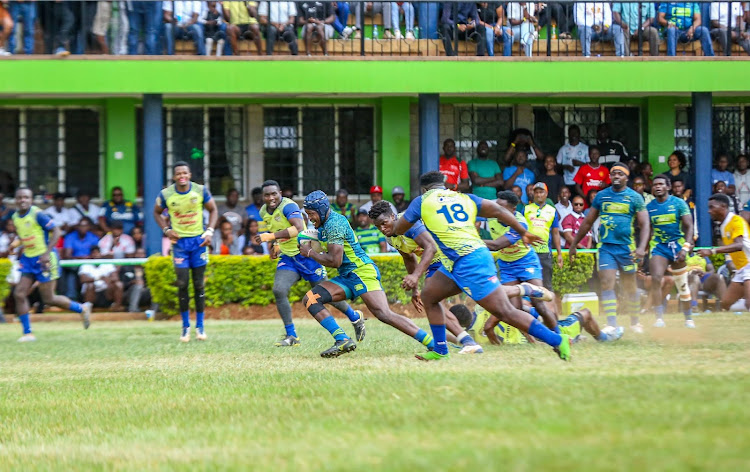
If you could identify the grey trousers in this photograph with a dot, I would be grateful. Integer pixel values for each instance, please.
(377, 7)
(650, 35)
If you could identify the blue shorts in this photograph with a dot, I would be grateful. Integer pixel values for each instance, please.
(474, 273)
(616, 257)
(668, 250)
(434, 267)
(32, 268)
(526, 268)
(303, 266)
(361, 280)
(187, 253)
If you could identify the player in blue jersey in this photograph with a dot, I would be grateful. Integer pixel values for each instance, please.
(357, 276)
(618, 207)
(468, 266)
(672, 229)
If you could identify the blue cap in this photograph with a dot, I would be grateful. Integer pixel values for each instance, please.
(317, 201)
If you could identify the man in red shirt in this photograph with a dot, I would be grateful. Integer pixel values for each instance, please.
(592, 175)
(454, 169)
(572, 222)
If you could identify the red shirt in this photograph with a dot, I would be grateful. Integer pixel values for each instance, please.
(454, 171)
(592, 178)
(572, 224)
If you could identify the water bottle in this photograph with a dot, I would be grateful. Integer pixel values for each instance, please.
(554, 32)
(416, 32)
(375, 32)
(150, 315)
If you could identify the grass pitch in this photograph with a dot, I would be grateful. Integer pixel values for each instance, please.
(129, 396)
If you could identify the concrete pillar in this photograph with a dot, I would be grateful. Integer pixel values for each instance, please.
(153, 167)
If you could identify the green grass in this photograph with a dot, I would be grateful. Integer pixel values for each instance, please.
(129, 396)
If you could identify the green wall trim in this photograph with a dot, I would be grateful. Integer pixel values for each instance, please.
(394, 168)
(120, 159)
(659, 129)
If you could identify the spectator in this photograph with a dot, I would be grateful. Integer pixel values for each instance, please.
(639, 185)
(341, 10)
(684, 24)
(647, 172)
(611, 150)
(521, 139)
(485, 174)
(677, 163)
(408, 10)
(519, 174)
(56, 20)
(401, 204)
(555, 10)
(138, 239)
(594, 227)
(626, 16)
(520, 208)
(592, 175)
(135, 289)
(100, 284)
(119, 209)
(572, 223)
(343, 206)
(287, 192)
(7, 236)
(563, 205)
(594, 20)
(464, 17)
(720, 173)
(61, 216)
(742, 179)
(182, 23)
(492, 18)
(115, 244)
(523, 25)
(5, 211)
(101, 26)
(242, 19)
(317, 18)
(214, 28)
(77, 245)
(248, 243)
(232, 212)
(376, 194)
(721, 16)
(84, 207)
(551, 177)
(228, 243)
(83, 19)
(572, 155)
(25, 12)
(454, 169)
(544, 222)
(372, 9)
(144, 20)
(721, 187)
(278, 18)
(368, 236)
(253, 209)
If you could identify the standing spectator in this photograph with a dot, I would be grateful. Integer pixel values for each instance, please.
(253, 209)
(742, 180)
(647, 172)
(119, 209)
(101, 26)
(518, 191)
(61, 216)
(232, 212)
(592, 175)
(611, 150)
(214, 28)
(454, 169)
(56, 20)
(464, 17)
(398, 195)
(247, 240)
(485, 174)
(721, 15)
(77, 245)
(594, 20)
(639, 185)
(84, 207)
(138, 240)
(521, 139)
(242, 19)
(677, 161)
(720, 173)
(551, 177)
(278, 18)
(144, 19)
(100, 284)
(83, 19)
(523, 25)
(318, 19)
(572, 222)
(25, 12)
(544, 222)
(678, 190)
(228, 243)
(376, 194)
(408, 10)
(626, 15)
(684, 24)
(115, 244)
(368, 236)
(492, 17)
(572, 155)
(563, 205)
(555, 11)
(519, 174)
(182, 23)
(343, 206)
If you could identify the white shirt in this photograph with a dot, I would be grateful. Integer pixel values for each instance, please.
(719, 13)
(279, 12)
(564, 211)
(593, 13)
(98, 273)
(742, 187)
(62, 217)
(203, 17)
(565, 157)
(183, 11)
(515, 10)
(125, 246)
(93, 213)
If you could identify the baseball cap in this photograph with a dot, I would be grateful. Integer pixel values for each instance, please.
(398, 191)
(541, 185)
(376, 189)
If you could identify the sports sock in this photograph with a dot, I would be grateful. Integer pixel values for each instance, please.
(438, 332)
(185, 319)
(25, 322)
(694, 304)
(632, 306)
(688, 313)
(533, 312)
(602, 336)
(423, 337)
(76, 307)
(544, 334)
(290, 331)
(351, 314)
(330, 324)
(659, 311)
(199, 319)
(465, 339)
(609, 303)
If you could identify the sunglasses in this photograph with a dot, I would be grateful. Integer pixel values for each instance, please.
(578, 204)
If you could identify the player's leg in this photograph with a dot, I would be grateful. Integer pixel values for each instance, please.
(356, 317)
(657, 266)
(548, 316)
(20, 295)
(457, 334)
(592, 327)
(377, 303)
(715, 285)
(436, 289)
(607, 279)
(199, 294)
(282, 284)
(680, 276)
(631, 301)
(734, 292)
(183, 298)
(47, 284)
(315, 300)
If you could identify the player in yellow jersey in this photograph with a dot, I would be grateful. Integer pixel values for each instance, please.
(468, 265)
(39, 262)
(185, 201)
(735, 235)
(284, 221)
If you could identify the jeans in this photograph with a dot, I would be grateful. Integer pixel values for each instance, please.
(490, 38)
(427, 12)
(57, 23)
(614, 33)
(273, 33)
(83, 14)
(342, 17)
(557, 11)
(194, 32)
(143, 21)
(27, 11)
(523, 34)
(720, 34)
(408, 16)
(70, 283)
(701, 33)
(478, 33)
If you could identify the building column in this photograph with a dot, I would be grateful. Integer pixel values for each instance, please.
(394, 162)
(153, 167)
(120, 163)
(429, 132)
(659, 131)
(701, 165)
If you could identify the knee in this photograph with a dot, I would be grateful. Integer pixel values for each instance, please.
(279, 292)
(382, 314)
(182, 284)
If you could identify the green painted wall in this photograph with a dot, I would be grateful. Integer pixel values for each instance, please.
(659, 129)
(120, 165)
(394, 145)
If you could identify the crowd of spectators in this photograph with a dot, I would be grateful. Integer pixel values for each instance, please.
(148, 27)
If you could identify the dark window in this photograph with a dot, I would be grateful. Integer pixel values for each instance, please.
(356, 149)
(42, 138)
(187, 140)
(8, 151)
(82, 151)
(280, 146)
(489, 123)
(319, 149)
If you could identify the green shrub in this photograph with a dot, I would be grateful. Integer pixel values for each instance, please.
(573, 276)
(5, 267)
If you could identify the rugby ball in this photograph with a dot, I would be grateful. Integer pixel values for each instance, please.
(310, 236)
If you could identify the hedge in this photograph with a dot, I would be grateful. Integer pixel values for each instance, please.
(5, 267)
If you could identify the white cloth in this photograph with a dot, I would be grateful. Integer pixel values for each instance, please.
(565, 157)
(183, 11)
(62, 217)
(98, 273)
(125, 246)
(562, 210)
(742, 187)
(719, 12)
(203, 17)
(78, 212)
(279, 12)
(515, 9)
(593, 13)
(742, 275)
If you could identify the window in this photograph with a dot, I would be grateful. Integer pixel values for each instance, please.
(477, 123)
(319, 148)
(9, 130)
(730, 130)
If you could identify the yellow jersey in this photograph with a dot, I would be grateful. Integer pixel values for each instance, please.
(541, 221)
(517, 248)
(732, 227)
(33, 229)
(185, 209)
(406, 242)
(278, 220)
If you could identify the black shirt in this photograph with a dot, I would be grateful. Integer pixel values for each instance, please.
(611, 151)
(319, 10)
(554, 184)
(489, 14)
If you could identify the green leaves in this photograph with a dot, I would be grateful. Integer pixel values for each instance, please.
(574, 275)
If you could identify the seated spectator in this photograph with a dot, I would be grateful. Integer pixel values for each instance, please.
(242, 19)
(626, 15)
(138, 239)
(214, 28)
(551, 177)
(398, 194)
(572, 155)
(343, 206)
(100, 284)
(368, 236)
(376, 194)
(563, 205)
(101, 27)
(135, 289)
(250, 242)
(703, 278)
(61, 216)
(228, 243)
(677, 161)
(721, 187)
(84, 208)
(23, 13)
(742, 180)
(591, 175)
(231, 211)
(462, 16)
(253, 209)
(639, 185)
(119, 209)
(115, 244)
(572, 223)
(523, 26)
(56, 20)
(519, 174)
(720, 173)
(182, 23)
(521, 208)
(144, 20)
(594, 20)
(6, 28)
(492, 18)
(611, 150)
(647, 172)
(522, 140)
(454, 169)
(372, 9)
(721, 16)
(408, 9)
(77, 245)
(486, 177)
(341, 10)
(278, 19)
(684, 24)
(317, 19)
(555, 11)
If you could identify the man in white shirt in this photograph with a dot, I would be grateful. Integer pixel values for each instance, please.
(721, 14)
(742, 180)
(572, 155)
(101, 284)
(84, 207)
(564, 207)
(278, 18)
(594, 20)
(182, 23)
(61, 216)
(523, 24)
(115, 244)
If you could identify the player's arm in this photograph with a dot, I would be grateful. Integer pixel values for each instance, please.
(558, 246)
(411, 262)
(213, 218)
(298, 225)
(411, 216)
(496, 244)
(490, 209)
(425, 241)
(159, 206)
(734, 247)
(688, 228)
(643, 222)
(583, 230)
(489, 329)
(333, 258)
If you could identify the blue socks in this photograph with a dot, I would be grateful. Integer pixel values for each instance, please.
(438, 332)
(76, 307)
(24, 319)
(199, 319)
(609, 303)
(533, 312)
(185, 319)
(426, 339)
(659, 310)
(351, 314)
(290, 331)
(330, 324)
(541, 332)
